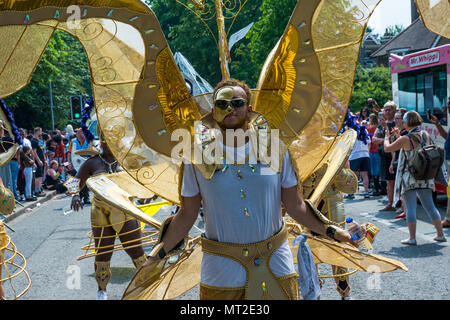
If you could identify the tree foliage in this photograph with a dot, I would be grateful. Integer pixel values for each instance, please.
(64, 63)
(370, 83)
(186, 33)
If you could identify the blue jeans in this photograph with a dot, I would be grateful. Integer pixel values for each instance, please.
(14, 174)
(28, 173)
(375, 164)
(426, 199)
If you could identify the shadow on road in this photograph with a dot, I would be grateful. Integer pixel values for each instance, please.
(420, 251)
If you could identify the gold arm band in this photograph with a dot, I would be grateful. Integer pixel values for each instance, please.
(319, 215)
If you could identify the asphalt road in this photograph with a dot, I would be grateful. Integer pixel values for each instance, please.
(51, 237)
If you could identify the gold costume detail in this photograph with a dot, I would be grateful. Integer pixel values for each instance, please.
(255, 259)
(435, 16)
(5, 157)
(288, 90)
(103, 215)
(259, 133)
(289, 285)
(10, 257)
(102, 273)
(7, 201)
(178, 107)
(139, 262)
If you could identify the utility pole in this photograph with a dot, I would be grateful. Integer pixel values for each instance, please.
(51, 104)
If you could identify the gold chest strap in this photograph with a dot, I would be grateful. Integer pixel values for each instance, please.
(261, 283)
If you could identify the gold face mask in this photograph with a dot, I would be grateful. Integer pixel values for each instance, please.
(225, 93)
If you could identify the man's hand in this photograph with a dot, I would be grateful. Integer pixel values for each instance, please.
(433, 119)
(342, 235)
(76, 203)
(374, 105)
(387, 133)
(391, 168)
(396, 132)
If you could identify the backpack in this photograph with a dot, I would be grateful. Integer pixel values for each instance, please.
(425, 163)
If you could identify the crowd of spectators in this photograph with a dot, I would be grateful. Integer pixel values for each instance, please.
(42, 162)
(377, 168)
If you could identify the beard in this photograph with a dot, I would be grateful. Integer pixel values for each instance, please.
(237, 123)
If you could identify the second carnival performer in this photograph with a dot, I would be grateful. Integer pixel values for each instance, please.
(106, 223)
(246, 253)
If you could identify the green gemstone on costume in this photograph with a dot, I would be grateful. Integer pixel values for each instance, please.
(225, 168)
(5, 202)
(239, 175)
(242, 194)
(246, 212)
(252, 167)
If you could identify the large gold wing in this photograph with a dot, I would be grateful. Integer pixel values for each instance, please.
(138, 104)
(306, 83)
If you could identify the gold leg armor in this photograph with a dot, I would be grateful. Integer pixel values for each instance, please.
(102, 273)
(342, 283)
(138, 262)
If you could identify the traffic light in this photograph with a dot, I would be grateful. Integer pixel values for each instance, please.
(76, 103)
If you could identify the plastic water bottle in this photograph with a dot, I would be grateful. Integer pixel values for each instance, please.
(358, 235)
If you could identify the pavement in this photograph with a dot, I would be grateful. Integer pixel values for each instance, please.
(50, 238)
(25, 206)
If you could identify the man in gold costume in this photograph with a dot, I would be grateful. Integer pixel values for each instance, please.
(108, 222)
(246, 253)
(332, 206)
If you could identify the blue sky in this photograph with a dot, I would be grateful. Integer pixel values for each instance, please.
(390, 12)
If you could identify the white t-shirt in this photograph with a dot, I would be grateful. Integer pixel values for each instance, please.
(360, 150)
(27, 143)
(241, 208)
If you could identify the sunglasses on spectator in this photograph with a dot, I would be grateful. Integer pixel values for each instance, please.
(398, 118)
(235, 103)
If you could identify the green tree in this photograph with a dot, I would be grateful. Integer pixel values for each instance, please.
(187, 34)
(370, 83)
(64, 63)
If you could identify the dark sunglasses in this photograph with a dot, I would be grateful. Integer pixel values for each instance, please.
(235, 103)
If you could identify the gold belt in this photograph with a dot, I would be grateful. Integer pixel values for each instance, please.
(261, 283)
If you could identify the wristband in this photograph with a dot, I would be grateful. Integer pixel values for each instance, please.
(331, 231)
(161, 253)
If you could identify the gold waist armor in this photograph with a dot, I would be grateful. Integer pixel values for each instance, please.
(104, 215)
(261, 282)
